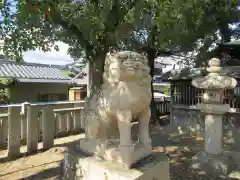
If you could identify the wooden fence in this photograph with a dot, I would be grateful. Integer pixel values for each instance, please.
(29, 124)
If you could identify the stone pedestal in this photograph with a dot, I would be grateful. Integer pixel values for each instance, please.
(213, 134)
(82, 167)
(124, 155)
(213, 126)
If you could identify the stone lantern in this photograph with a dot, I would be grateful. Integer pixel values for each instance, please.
(214, 109)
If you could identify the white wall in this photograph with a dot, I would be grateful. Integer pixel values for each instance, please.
(168, 61)
(1, 47)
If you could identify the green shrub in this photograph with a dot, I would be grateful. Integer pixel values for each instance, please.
(4, 96)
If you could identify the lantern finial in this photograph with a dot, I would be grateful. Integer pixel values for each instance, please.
(214, 65)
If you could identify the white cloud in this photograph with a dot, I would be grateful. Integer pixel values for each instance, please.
(53, 57)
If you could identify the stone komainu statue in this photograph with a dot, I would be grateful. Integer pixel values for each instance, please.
(125, 93)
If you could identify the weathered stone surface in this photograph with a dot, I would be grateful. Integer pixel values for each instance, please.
(89, 168)
(214, 80)
(126, 93)
(71, 156)
(122, 155)
(125, 96)
(213, 107)
(191, 123)
(212, 160)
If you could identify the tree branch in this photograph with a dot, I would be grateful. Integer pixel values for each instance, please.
(56, 18)
(119, 20)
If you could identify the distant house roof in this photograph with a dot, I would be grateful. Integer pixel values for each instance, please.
(80, 72)
(185, 74)
(82, 77)
(165, 60)
(237, 43)
(31, 72)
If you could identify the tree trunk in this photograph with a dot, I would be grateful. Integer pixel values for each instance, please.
(225, 31)
(151, 56)
(95, 79)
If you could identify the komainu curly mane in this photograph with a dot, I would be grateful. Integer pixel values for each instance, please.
(126, 86)
(126, 82)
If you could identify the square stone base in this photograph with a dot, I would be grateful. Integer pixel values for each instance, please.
(124, 155)
(155, 167)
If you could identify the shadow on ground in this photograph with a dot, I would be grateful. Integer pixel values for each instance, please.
(51, 173)
(37, 166)
(179, 149)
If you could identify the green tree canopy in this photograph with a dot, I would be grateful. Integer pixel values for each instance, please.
(94, 27)
(225, 16)
(89, 27)
(170, 27)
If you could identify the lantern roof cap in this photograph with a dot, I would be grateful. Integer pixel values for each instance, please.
(214, 80)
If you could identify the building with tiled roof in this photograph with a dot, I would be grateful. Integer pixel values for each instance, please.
(35, 73)
(35, 82)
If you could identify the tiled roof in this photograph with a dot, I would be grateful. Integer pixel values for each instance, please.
(82, 77)
(32, 72)
(77, 69)
(237, 42)
(233, 71)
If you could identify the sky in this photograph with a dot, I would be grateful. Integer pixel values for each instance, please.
(52, 57)
(61, 57)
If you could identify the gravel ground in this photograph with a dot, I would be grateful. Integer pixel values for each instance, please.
(47, 165)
